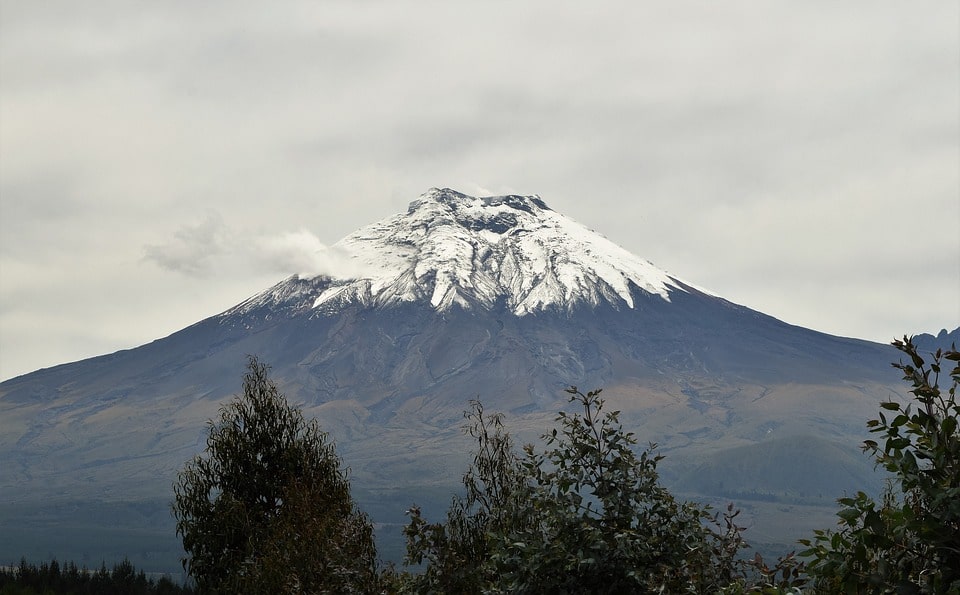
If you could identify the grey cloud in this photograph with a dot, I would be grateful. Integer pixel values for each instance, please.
(41, 198)
(192, 248)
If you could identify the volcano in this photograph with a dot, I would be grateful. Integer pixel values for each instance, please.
(497, 298)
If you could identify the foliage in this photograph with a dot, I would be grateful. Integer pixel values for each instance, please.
(267, 507)
(456, 554)
(910, 541)
(587, 515)
(30, 579)
(603, 522)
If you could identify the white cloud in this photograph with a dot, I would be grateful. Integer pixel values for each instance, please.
(303, 253)
(211, 249)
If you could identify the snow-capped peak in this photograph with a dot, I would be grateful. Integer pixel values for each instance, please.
(452, 249)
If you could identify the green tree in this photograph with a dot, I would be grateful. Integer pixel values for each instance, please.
(587, 515)
(456, 554)
(267, 507)
(603, 523)
(909, 542)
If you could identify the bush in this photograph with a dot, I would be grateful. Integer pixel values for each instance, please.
(909, 542)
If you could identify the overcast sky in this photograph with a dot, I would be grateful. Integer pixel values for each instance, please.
(161, 162)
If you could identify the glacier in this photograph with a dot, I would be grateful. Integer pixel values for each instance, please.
(454, 250)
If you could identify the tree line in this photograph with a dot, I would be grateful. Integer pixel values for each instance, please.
(53, 577)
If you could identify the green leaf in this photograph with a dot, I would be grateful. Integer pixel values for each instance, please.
(949, 425)
(849, 515)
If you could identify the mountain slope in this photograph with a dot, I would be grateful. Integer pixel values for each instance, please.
(457, 298)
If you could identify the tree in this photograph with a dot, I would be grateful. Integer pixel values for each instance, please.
(909, 542)
(587, 515)
(603, 523)
(267, 507)
(457, 552)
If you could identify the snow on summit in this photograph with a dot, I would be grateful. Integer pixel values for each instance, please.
(452, 249)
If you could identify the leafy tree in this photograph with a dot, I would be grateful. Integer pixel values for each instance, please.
(909, 542)
(267, 507)
(587, 515)
(603, 523)
(457, 553)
